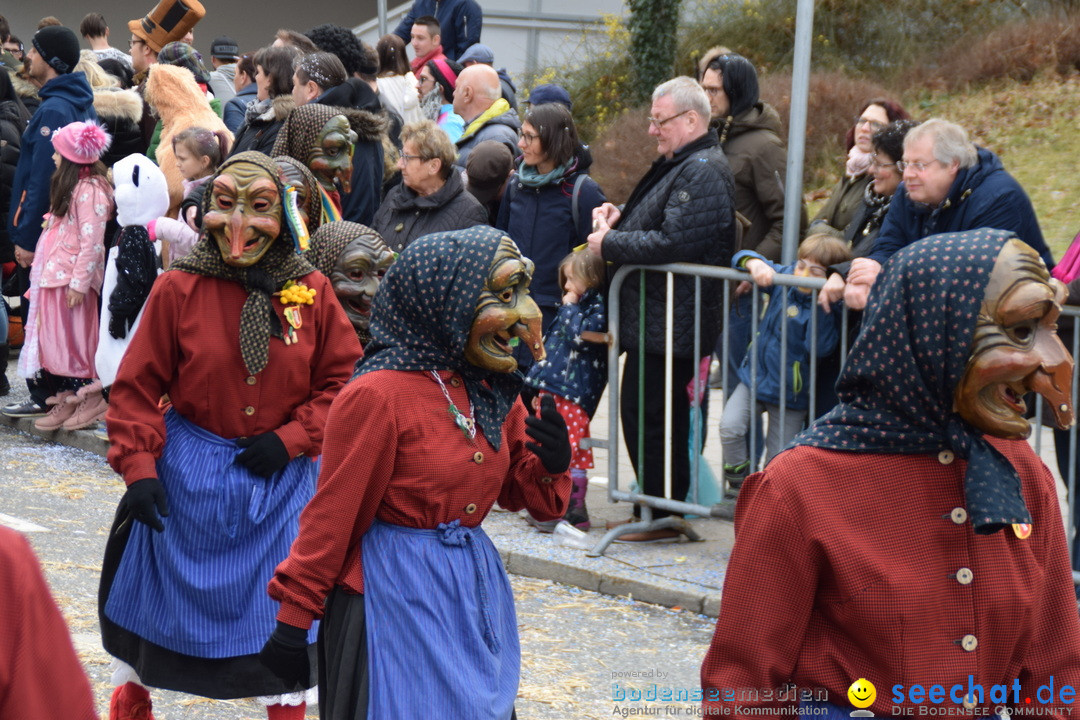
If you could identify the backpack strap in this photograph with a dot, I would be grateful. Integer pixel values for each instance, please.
(574, 198)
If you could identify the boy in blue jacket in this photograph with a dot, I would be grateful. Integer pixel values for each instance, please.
(816, 253)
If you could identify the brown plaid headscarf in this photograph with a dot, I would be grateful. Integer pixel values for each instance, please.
(301, 129)
(258, 319)
(332, 238)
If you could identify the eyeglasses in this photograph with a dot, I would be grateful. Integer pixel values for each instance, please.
(658, 124)
(880, 165)
(874, 124)
(714, 91)
(133, 43)
(405, 157)
(529, 138)
(903, 165)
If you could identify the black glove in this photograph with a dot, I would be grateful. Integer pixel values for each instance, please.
(552, 444)
(265, 454)
(285, 653)
(146, 500)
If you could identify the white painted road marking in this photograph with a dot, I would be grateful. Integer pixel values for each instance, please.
(20, 525)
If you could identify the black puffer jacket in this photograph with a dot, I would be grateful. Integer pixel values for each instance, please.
(681, 211)
(11, 127)
(405, 216)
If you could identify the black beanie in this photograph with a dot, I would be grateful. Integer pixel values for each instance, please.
(57, 46)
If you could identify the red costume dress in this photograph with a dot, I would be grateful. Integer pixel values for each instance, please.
(867, 566)
(209, 583)
(40, 675)
(414, 468)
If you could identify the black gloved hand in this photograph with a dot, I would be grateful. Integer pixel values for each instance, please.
(146, 500)
(552, 441)
(265, 454)
(285, 653)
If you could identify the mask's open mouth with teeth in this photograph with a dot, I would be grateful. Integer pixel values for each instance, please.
(359, 304)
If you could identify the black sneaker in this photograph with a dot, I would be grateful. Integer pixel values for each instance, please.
(27, 408)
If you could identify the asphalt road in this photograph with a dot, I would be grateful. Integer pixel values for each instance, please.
(580, 650)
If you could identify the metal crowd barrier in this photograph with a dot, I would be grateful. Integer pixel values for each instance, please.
(725, 508)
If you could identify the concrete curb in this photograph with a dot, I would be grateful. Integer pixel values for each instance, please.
(669, 592)
(81, 439)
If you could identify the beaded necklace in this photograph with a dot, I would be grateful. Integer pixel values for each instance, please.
(467, 424)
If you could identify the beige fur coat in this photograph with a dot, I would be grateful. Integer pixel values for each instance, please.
(181, 104)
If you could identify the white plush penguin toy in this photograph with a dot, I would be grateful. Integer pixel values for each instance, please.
(142, 195)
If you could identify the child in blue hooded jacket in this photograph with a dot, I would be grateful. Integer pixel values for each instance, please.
(816, 253)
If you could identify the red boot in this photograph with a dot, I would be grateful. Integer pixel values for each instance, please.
(131, 701)
(286, 712)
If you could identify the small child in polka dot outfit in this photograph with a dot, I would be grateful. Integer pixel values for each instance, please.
(575, 370)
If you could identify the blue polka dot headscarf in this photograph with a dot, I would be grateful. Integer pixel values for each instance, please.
(423, 312)
(896, 389)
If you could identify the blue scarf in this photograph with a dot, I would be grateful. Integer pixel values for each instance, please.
(529, 176)
(422, 314)
(896, 389)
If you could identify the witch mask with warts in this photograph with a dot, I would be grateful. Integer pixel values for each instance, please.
(330, 156)
(356, 276)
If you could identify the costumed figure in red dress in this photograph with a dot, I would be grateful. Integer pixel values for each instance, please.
(40, 674)
(355, 258)
(244, 337)
(418, 615)
(911, 539)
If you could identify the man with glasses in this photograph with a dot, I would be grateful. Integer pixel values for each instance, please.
(168, 22)
(950, 184)
(682, 210)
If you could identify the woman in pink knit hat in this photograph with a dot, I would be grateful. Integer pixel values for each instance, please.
(66, 278)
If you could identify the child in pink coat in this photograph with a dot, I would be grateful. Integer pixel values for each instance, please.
(66, 278)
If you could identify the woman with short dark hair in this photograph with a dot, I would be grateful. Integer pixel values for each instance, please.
(431, 196)
(547, 208)
(273, 100)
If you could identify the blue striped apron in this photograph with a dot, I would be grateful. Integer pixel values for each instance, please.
(199, 588)
(441, 626)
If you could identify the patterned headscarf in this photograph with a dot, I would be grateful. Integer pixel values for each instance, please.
(314, 207)
(331, 239)
(258, 320)
(896, 389)
(424, 311)
(301, 129)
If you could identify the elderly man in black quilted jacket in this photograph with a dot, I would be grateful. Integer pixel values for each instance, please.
(682, 210)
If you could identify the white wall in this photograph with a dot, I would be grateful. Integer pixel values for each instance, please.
(557, 36)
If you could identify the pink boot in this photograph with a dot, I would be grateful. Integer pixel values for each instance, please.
(60, 412)
(90, 407)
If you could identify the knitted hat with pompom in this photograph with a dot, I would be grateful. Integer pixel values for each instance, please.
(81, 142)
